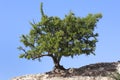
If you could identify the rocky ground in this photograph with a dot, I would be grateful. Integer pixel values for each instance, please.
(98, 69)
(88, 72)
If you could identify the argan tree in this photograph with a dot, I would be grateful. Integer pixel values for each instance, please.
(56, 37)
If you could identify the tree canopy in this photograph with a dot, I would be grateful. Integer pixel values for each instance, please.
(56, 37)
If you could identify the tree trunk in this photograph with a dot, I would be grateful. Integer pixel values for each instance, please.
(56, 61)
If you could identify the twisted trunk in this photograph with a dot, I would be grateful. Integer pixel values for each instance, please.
(56, 61)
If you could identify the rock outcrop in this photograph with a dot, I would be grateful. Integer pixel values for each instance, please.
(98, 71)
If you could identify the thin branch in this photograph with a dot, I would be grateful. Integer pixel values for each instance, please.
(20, 48)
(38, 56)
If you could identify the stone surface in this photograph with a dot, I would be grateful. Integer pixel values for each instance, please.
(98, 71)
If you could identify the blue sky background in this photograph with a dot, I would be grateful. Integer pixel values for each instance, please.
(15, 16)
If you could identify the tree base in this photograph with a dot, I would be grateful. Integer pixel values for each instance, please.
(59, 67)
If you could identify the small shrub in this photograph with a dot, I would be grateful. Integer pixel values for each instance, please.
(116, 76)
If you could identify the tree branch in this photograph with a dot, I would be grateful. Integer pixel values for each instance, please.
(42, 55)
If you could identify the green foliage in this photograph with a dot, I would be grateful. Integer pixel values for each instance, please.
(57, 37)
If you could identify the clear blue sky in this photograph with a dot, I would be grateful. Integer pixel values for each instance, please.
(15, 16)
